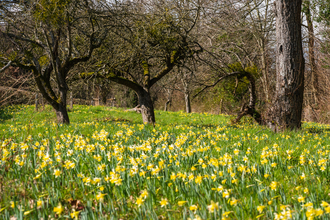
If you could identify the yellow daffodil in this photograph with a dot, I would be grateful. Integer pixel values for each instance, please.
(39, 204)
(75, 214)
(163, 202)
(28, 212)
(273, 185)
(57, 173)
(139, 201)
(58, 209)
(100, 196)
(144, 194)
(260, 208)
(214, 206)
(193, 208)
(181, 203)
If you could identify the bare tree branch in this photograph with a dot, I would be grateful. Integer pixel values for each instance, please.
(5, 67)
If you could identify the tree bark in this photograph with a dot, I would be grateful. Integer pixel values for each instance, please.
(147, 107)
(220, 107)
(60, 108)
(104, 99)
(62, 114)
(186, 94)
(169, 100)
(167, 103)
(71, 100)
(187, 101)
(264, 78)
(36, 102)
(43, 103)
(287, 106)
(311, 54)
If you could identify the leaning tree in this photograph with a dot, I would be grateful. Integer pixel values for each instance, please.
(147, 41)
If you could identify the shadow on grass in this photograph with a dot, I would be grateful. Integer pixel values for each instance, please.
(317, 130)
(107, 119)
(4, 115)
(202, 126)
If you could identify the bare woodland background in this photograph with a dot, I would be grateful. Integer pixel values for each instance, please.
(220, 37)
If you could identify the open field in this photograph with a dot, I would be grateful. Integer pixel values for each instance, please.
(108, 165)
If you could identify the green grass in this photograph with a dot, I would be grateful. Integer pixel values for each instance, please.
(108, 165)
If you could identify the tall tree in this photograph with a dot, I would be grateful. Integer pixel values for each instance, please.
(312, 76)
(287, 106)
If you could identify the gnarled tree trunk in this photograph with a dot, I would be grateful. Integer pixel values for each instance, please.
(147, 107)
(287, 106)
(249, 109)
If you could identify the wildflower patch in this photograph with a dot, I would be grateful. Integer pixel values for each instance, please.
(176, 171)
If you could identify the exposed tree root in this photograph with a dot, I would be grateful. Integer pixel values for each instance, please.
(136, 109)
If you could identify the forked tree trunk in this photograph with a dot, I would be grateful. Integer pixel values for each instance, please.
(147, 107)
(287, 106)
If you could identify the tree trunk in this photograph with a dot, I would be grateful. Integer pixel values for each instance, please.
(36, 102)
(311, 54)
(264, 78)
(169, 100)
(147, 108)
(287, 106)
(71, 100)
(104, 93)
(186, 94)
(104, 100)
(61, 110)
(134, 98)
(220, 107)
(167, 103)
(62, 114)
(43, 103)
(187, 101)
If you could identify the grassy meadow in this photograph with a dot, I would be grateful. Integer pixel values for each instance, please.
(108, 165)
